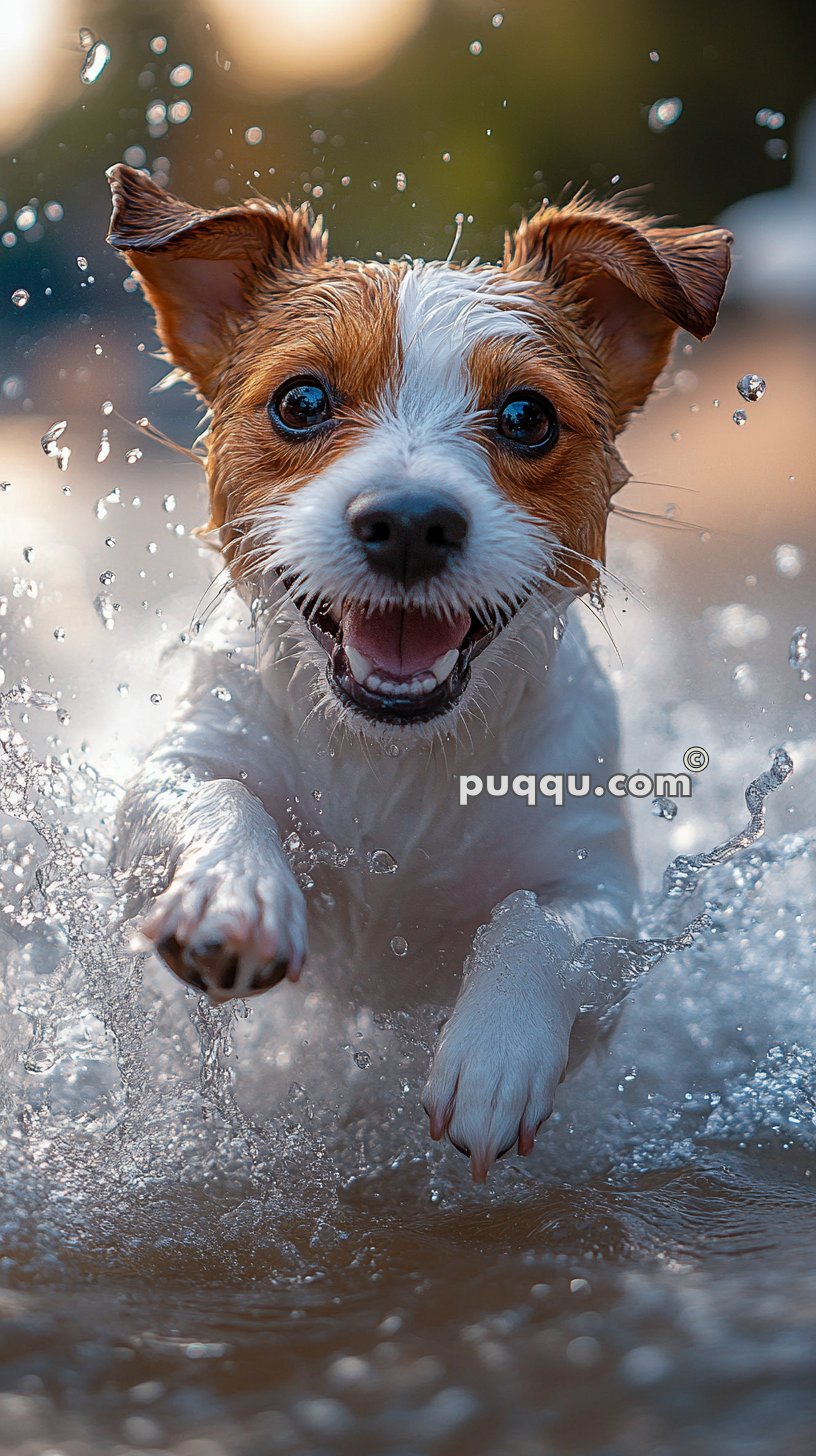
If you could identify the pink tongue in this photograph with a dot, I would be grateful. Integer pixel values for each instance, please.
(402, 641)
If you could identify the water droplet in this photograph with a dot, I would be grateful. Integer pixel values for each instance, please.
(181, 75)
(155, 697)
(253, 136)
(86, 38)
(751, 386)
(654, 56)
(156, 113)
(52, 434)
(446, 156)
(106, 578)
(179, 112)
(399, 945)
(107, 407)
(739, 417)
(59, 634)
(82, 264)
(788, 560)
(380, 862)
(95, 62)
(345, 181)
(104, 448)
(363, 1060)
(498, 20)
(664, 113)
(54, 211)
(475, 47)
(158, 45)
(663, 808)
(20, 297)
(132, 456)
(402, 181)
(25, 219)
(582, 854)
(222, 694)
(799, 654)
(169, 504)
(123, 689)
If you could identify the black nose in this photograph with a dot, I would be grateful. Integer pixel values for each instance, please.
(408, 535)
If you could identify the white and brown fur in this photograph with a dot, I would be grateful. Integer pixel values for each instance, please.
(417, 357)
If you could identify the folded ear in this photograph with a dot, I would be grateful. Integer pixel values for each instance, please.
(636, 283)
(199, 270)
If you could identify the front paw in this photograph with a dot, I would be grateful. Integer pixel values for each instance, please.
(227, 928)
(493, 1083)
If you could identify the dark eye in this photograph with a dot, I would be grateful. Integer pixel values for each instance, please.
(300, 405)
(528, 419)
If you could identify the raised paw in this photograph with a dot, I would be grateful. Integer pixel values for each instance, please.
(491, 1086)
(228, 929)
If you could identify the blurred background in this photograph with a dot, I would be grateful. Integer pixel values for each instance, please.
(392, 120)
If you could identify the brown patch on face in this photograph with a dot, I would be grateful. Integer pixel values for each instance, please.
(336, 323)
(568, 487)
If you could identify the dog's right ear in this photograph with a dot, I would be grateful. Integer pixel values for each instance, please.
(200, 270)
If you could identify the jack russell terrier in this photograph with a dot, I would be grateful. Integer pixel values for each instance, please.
(410, 466)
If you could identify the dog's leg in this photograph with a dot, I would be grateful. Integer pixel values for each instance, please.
(504, 1049)
(231, 920)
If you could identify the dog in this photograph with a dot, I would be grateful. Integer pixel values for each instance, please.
(411, 466)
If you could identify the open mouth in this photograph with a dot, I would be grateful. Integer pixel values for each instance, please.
(398, 664)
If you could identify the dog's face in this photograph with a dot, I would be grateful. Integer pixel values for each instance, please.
(414, 452)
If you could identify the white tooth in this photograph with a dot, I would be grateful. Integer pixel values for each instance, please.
(360, 666)
(413, 689)
(373, 682)
(428, 683)
(445, 664)
(391, 688)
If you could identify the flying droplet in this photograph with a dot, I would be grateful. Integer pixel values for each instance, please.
(654, 56)
(155, 698)
(663, 808)
(169, 504)
(739, 417)
(253, 135)
(402, 181)
(498, 20)
(181, 75)
(106, 578)
(664, 113)
(475, 47)
(158, 45)
(52, 434)
(799, 654)
(399, 945)
(363, 1060)
(82, 264)
(222, 694)
(25, 219)
(95, 62)
(134, 455)
(179, 111)
(20, 297)
(751, 386)
(104, 448)
(86, 37)
(380, 862)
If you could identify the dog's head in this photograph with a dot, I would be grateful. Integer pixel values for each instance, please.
(414, 452)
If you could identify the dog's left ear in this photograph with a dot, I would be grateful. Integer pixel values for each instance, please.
(199, 270)
(636, 284)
